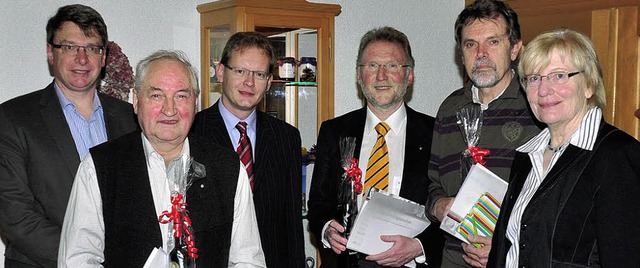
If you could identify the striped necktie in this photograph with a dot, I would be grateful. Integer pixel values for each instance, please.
(378, 165)
(244, 151)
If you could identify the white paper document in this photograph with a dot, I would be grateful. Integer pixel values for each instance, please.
(480, 180)
(385, 214)
(157, 258)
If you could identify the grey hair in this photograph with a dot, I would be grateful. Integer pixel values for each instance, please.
(173, 55)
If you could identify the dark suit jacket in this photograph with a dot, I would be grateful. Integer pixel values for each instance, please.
(38, 162)
(585, 212)
(277, 192)
(327, 174)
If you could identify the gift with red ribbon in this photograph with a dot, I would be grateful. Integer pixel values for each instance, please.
(470, 123)
(181, 245)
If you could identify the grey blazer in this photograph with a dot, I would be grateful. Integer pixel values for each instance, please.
(38, 163)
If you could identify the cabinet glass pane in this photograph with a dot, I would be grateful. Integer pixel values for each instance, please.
(218, 37)
(307, 96)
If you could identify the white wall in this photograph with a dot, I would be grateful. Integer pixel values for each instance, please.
(141, 27)
(429, 26)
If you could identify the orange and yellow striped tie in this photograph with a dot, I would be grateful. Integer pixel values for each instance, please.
(378, 165)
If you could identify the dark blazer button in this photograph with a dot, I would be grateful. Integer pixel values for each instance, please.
(523, 227)
(522, 246)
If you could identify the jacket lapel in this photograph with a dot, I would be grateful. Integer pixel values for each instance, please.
(412, 147)
(112, 119)
(219, 129)
(355, 128)
(56, 124)
(264, 137)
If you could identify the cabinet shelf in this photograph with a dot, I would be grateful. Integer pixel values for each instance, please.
(296, 83)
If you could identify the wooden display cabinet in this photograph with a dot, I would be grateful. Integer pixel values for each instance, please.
(279, 20)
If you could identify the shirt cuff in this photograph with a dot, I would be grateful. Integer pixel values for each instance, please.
(422, 258)
(325, 241)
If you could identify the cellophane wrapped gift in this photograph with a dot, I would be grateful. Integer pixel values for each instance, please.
(180, 244)
(349, 189)
(470, 123)
(350, 183)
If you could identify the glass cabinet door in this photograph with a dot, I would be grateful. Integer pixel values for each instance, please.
(218, 37)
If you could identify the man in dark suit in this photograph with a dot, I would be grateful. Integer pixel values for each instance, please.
(270, 147)
(385, 70)
(45, 134)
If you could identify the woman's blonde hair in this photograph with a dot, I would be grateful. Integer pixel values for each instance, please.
(572, 46)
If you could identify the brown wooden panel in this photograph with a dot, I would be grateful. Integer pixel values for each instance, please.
(626, 95)
(533, 25)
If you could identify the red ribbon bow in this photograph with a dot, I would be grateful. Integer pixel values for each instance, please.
(354, 172)
(181, 222)
(478, 154)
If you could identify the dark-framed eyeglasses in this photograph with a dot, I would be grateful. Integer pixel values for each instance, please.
(555, 78)
(73, 49)
(391, 67)
(241, 72)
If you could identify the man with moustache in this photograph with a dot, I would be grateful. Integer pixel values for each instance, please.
(488, 38)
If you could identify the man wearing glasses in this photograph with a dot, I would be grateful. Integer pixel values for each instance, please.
(384, 72)
(270, 149)
(45, 134)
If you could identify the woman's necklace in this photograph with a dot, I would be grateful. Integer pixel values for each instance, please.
(554, 150)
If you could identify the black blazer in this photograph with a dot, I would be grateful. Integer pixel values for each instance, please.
(328, 172)
(585, 212)
(277, 192)
(38, 162)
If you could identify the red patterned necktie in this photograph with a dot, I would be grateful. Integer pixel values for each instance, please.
(244, 151)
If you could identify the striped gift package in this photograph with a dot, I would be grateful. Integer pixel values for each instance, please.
(482, 218)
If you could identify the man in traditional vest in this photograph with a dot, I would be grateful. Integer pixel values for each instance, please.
(123, 187)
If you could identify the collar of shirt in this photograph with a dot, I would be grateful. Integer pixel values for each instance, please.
(67, 104)
(475, 92)
(395, 140)
(396, 121)
(584, 137)
(230, 122)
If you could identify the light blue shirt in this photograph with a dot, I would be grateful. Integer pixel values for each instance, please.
(230, 122)
(86, 134)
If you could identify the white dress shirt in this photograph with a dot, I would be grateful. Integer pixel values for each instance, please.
(82, 239)
(395, 139)
(584, 137)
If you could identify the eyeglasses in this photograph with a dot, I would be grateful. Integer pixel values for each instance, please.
(391, 67)
(240, 72)
(555, 78)
(73, 49)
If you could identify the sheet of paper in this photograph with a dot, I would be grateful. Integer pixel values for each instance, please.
(157, 258)
(385, 214)
(478, 181)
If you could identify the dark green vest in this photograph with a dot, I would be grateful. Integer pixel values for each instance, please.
(131, 224)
